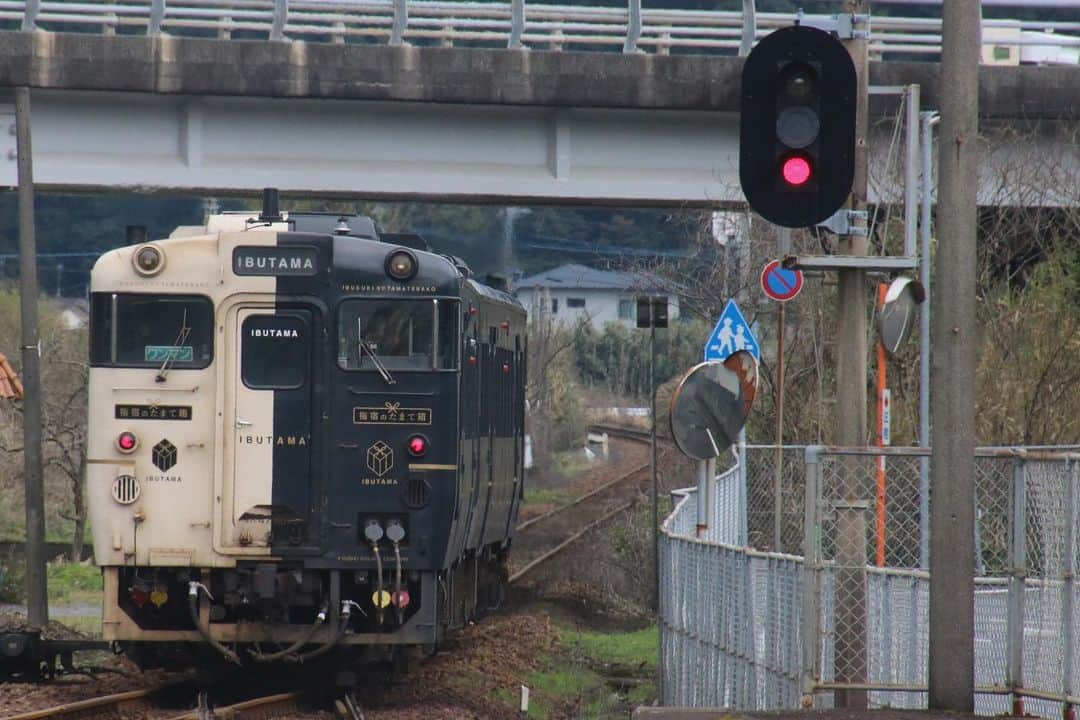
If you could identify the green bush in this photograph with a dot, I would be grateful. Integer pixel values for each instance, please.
(72, 580)
(12, 583)
(617, 358)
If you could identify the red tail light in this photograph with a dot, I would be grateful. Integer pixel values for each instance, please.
(417, 445)
(126, 442)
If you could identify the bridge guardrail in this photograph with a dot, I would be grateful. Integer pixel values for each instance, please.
(513, 23)
(775, 631)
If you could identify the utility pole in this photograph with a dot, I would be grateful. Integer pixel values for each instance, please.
(952, 382)
(851, 359)
(37, 603)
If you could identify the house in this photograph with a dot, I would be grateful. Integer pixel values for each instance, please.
(572, 293)
(75, 315)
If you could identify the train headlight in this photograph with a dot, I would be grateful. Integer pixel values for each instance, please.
(148, 260)
(417, 445)
(127, 442)
(401, 265)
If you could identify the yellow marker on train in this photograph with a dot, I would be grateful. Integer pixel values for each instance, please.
(380, 599)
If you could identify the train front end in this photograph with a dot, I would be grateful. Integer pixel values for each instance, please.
(275, 467)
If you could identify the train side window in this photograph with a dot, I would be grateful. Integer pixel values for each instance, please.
(449, 315)
(142, 330)
(274, 352)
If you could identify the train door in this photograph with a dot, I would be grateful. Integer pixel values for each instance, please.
(271, 481)
(472, 403)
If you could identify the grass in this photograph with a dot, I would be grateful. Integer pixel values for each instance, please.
(74, 583)
(631, 649)
(547, 496)
(570, 463)
(592, 675)
(560, 686)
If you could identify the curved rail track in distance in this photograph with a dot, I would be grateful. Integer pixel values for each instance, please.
(624, 433)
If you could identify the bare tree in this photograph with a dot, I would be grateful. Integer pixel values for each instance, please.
(555, 414)
(64, 385)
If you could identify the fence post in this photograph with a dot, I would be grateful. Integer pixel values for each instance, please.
(811, 617)
(749, 634)
(157, 17)
(281, 16)
(1017, 575)
(401, 20)
(1067, 589)
(517, 23)
(29, 22)
(702, 497)
(744, 504)
(633, 26)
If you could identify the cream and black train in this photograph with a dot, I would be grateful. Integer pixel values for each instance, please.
(304, 436)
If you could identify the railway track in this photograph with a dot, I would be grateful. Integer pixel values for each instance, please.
(262, 708)
(115, 705)
(140, 703)
(583, 504)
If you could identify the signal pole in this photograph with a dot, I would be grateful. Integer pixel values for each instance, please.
(851, 359)
(952, 380)
(37, 607)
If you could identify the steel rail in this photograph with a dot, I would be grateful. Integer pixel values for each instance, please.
(532, 564)
(99, 705)
(577, 501)
(625, 433)
(256, 709)
(630, 433)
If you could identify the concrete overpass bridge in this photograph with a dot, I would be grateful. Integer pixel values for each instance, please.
(137, 107)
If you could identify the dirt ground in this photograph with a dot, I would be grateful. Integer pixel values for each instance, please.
(108, 674)
(477, 674)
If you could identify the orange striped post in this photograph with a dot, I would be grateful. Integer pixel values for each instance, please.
(10, 386)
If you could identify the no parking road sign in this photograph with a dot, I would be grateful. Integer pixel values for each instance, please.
(779, 283)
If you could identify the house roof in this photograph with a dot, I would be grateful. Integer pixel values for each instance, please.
(10, 385)
(580, 277)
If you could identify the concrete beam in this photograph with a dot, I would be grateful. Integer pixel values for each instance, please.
(86, 140)
(375, 149)
(474, 76)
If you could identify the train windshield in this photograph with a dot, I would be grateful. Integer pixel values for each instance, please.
(158, 331)
(400, 334)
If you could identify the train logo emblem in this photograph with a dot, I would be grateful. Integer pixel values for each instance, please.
(380, 458)
(164, 455)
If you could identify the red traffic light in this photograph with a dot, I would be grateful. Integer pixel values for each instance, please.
(796, 170)
(797, 126)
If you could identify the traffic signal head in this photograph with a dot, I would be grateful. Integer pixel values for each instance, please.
(797, 126)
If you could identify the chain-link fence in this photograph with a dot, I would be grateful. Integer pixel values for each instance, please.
(749, 629)
(729, 615)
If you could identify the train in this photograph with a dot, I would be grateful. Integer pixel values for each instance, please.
(305, 437)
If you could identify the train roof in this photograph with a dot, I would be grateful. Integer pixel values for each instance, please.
(493, 293)
(319, 223)
(445, 272)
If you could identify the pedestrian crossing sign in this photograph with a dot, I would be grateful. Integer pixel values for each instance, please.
(731, 333)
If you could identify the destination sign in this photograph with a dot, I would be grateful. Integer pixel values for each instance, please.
(172, 353)
(153, 412)
(272, 260)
